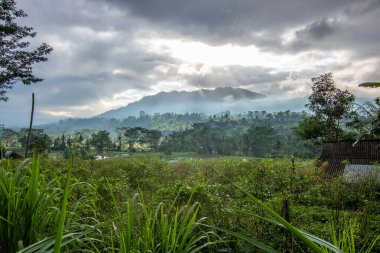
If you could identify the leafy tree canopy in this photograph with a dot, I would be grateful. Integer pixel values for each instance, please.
(330, 105)
(15, 60)
(101, 140)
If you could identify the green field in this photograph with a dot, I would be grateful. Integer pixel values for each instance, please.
(153, 203)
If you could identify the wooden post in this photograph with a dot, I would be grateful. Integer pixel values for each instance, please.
(1, 141)
(292, 174)
(287, 234)
(30, 127)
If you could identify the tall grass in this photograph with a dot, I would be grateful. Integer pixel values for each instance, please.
(165, 229)
(62, 216)
(38, 215)
(343, 236)
(313, 242)
(26, 201)
(33, 211)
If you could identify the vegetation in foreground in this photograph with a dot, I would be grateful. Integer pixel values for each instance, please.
(146, 203)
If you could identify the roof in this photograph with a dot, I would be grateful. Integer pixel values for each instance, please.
(339, 153)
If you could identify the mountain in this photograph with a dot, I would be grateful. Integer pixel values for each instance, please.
(200, 101)
(195, 107)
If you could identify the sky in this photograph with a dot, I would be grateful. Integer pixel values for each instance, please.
(108, 53)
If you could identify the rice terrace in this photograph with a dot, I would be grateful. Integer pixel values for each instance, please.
(198, 126)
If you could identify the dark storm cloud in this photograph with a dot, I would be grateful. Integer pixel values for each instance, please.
(339, 24)
(317, 30)
(354, 28)
(225, 21)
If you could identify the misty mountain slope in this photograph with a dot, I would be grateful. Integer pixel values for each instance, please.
(201, 101)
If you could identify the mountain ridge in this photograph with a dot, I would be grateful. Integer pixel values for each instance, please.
(202, 100)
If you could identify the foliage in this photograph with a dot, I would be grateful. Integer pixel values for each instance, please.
(260, 139)
(311, 127)
(370, 125)
(24, 199)
(178, 194)
(16, 62)
(343, 236)
(141, 136)
(367, 122)
(31, 213)
(216, 135)
(370, 84)
(101, 141)
(258, 134)
(39, 141)
(330, 105)
(165, 229)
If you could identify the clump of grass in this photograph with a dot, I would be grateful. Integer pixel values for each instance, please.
(34, 213)
(314, 243)
(343, 236)
(26, 201)
(165, 229)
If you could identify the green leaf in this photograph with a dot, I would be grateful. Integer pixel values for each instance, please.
(62, 215)
(370, 84)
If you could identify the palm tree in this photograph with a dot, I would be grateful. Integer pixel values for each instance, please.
(371, 125)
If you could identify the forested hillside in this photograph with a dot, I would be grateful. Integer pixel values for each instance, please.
(255, 133)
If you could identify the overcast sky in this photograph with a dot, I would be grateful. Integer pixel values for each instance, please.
(108, 53)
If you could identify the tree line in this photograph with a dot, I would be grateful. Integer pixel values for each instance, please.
(253, 133)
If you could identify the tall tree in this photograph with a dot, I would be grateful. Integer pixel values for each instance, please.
(152, 138)
(39, 141)
(330, 105)
(260, 139)
(15, 60)
(133, 135)
(101, 140)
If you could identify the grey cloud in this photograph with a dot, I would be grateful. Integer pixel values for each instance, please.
(354, 29)
(325, 24)
(225, 21)
(90, 78)
(317, 30)
(373, 76)
(57, 16)
(242, 22)
(234, 76)
(362, 8)
(86, 66)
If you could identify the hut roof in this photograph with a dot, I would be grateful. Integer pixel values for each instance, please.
(336, 153)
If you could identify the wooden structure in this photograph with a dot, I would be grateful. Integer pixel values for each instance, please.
(339, 154)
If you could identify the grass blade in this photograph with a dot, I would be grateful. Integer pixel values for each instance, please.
(62, 216)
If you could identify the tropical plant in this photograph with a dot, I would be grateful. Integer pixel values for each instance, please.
(35, 215)
(166, 229)
(369, 124)
(25, 197)
(367, 121)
